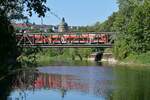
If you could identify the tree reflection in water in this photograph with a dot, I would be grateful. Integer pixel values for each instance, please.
(5, 87)
(19, 80)
(131, 83)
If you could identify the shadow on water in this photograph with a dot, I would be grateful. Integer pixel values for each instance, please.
(9, 80)
(92, 83)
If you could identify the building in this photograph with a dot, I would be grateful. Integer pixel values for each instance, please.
(63, 26)
(36, 28)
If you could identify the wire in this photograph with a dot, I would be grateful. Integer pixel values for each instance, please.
(54, 14)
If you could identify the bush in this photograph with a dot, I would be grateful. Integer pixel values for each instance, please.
(143, 58)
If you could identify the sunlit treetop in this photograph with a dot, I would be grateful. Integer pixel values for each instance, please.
(15, 8)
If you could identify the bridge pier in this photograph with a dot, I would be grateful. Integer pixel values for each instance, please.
(96, 56)
(103, 57)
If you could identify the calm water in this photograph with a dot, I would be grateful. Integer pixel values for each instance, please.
(77, 83)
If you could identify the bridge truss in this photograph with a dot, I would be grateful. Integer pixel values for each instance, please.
(65, 40)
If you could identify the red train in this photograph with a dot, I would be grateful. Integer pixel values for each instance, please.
(67, 38)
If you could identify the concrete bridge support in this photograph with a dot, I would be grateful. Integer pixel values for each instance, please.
(103, 57)
(96, 56)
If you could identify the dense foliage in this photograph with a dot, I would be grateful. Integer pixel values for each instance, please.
(13, 9)
(63, 54)
(132, 26)
(8, 49)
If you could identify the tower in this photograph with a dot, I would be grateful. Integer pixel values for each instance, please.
(63, 26)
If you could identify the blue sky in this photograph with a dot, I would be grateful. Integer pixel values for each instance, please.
(78, 12)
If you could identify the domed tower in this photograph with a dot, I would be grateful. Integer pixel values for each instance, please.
(63, 26)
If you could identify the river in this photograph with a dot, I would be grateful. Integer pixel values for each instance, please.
(77, 82)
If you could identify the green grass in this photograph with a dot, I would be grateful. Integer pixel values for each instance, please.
(143, 58)
(48, 60)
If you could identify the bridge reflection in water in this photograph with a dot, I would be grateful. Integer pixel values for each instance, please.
(65, 83)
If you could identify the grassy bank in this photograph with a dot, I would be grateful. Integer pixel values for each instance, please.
(136, 60)
(141, 59)
(76, 56)
(61, 59)
(62, 55)
(46, 56)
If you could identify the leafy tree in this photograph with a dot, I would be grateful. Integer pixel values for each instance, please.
(8, 8)
(107, 26)
(132, 27)
(139, 29)
(8, 49)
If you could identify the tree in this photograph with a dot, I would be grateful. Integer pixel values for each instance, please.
(7, 41)
(8, 8)
(107, 26)
(132, 27)
(11, 7)
(139, 28)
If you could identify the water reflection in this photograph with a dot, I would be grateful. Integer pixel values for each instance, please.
(95, 86)
(77, 83)
(131, 84)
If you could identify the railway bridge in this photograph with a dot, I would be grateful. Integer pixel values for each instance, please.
(66, 40)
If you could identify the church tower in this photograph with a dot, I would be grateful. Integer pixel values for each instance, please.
(63, 26)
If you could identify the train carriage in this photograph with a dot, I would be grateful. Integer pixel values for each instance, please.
(87, 38)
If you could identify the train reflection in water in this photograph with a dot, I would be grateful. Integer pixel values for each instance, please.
(66, 83)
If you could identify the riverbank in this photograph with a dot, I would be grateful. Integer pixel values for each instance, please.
(46, 56)
(69, 56)
(132, 60)
(44, 60)
(109, 61)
